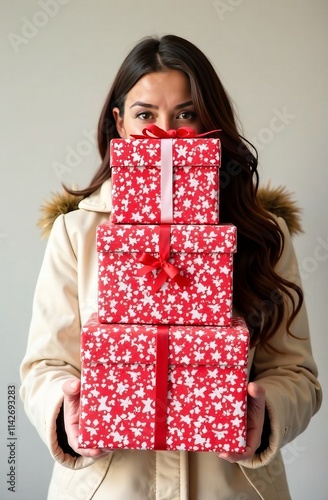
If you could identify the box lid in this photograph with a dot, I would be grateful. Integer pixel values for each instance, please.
(147, 152)
(220, 238)
(188, 345)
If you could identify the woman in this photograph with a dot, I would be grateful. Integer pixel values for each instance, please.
(170, 83)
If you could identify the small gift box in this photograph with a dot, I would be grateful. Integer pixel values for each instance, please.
(164, 387)
(173, 181)
(165, 274)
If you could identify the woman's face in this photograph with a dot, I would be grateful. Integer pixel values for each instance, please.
(161, 98)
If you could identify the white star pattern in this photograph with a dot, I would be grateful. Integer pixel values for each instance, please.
(238, 408)
(207, 377)
(197, 420)
(190, 181)
(148, 405)
(231, 378)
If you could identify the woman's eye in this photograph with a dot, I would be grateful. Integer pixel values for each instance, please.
(187, 115)
(145, 115)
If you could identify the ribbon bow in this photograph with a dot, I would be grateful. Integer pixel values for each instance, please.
(152, 131)
(167, 269)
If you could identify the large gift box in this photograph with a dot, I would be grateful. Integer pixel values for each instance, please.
(164, 387)
(172, 181)
(165, 274)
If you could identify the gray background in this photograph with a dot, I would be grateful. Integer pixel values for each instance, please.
(58, 58)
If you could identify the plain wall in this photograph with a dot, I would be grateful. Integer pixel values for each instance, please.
(58, 58)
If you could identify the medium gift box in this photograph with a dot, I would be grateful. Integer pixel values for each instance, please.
(164, 387)
(165, 274)
(172, 181)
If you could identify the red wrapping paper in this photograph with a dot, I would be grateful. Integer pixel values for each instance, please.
(206, 379)
(197, 292)
(141, 179)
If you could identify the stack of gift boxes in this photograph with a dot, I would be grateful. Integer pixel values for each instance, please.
(164, 362)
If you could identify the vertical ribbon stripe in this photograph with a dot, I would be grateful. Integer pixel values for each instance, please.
(166, 181)
(162, 371)
(164, 241)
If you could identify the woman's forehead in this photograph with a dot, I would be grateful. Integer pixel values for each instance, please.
(173, 84)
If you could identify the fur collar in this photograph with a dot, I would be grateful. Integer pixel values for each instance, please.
(277, 200)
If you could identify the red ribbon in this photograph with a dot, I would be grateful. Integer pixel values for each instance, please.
(162, 368)
(152, 131)
(167, 269)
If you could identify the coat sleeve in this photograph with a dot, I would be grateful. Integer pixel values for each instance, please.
(288, 373)
(53, 348)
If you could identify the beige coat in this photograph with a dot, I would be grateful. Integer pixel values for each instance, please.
(66, 295)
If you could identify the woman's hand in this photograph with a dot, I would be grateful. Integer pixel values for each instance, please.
(255, 420)
(71, 389)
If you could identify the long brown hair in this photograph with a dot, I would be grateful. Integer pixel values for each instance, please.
(259, 293)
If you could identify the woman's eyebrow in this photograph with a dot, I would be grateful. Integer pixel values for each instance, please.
(143, 105)
(184, 104)
(147, 105)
